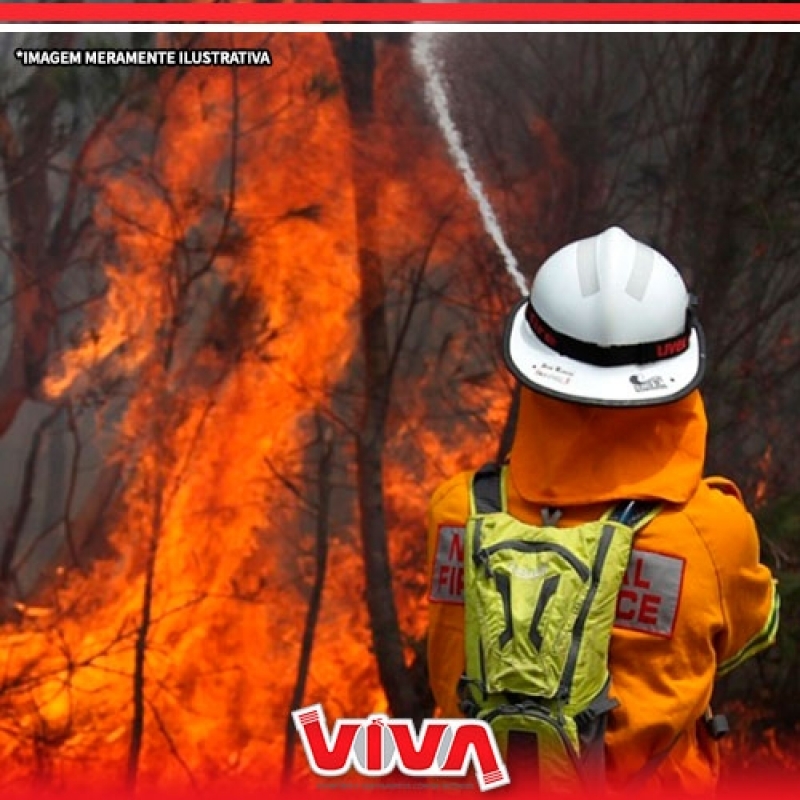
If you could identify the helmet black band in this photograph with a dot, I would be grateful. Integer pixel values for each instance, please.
(613, 355)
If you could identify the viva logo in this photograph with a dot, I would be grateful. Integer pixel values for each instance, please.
(378, 745)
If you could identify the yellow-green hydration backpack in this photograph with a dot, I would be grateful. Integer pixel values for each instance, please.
(540, 603)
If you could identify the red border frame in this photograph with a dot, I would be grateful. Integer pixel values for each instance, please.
(365, 12)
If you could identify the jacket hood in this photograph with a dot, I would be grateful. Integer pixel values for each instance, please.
(566, 454)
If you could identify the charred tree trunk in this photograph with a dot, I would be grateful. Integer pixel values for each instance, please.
(355, 56)
(24, 156)
(143, 636)
(315, 601)
(13, 534)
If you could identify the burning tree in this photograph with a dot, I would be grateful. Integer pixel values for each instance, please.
(212, 377)
(189, 365)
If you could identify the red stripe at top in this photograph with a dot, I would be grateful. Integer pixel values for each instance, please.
(398, 12)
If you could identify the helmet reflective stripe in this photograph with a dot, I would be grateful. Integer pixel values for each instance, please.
(588, 278)
(608, 322)
(641, 273)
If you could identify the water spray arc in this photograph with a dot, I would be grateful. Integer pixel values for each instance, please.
(424, 56)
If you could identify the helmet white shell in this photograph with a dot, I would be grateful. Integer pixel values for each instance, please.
(608, 322)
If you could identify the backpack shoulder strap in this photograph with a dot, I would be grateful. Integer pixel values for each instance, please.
(488, 490)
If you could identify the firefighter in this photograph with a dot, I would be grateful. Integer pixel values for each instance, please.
(609, 355)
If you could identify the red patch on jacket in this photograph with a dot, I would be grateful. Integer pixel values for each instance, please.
(447, 578)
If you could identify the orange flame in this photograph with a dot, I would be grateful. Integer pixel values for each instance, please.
(225, 324)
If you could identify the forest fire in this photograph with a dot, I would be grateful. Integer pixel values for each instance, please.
(217, 377)
(226, 329)
(201, 598)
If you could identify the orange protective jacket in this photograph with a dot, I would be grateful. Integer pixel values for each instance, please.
(695, 602)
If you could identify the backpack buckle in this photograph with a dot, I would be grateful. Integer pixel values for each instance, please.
(716, 725)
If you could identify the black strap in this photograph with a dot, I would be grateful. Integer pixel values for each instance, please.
(592, 723)
(487, 489)
(612, 355)
(651, 766)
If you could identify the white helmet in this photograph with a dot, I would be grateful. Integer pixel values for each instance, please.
(609, 322)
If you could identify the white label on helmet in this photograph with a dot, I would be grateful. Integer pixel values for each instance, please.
(554, 373)
(650, 594)
(447, 579)
(641, 383)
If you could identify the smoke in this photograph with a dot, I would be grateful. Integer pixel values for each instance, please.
(423, 52)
